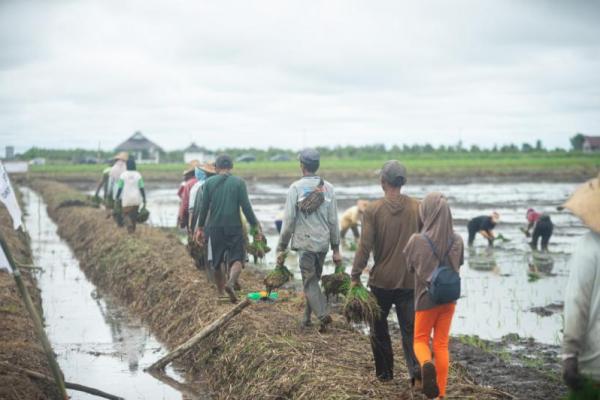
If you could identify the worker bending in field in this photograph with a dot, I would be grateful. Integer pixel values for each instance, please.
(351, 218)
(202, 173)
(542, 227)
(222, 196)
(581, 341)
(484, 225)
(388, 224)
(130, 194)
(310, 222)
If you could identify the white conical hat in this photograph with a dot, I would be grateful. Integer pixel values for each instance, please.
(585, 203)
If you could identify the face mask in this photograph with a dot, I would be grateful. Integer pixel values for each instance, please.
(200, 175)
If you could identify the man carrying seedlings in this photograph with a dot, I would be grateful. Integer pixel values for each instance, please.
(119, 166)
(581, 341)
(542, 227)
(351, 218)
(388, 224)
(131, 194)
(484, 225)
(222, 196)
(310, 222)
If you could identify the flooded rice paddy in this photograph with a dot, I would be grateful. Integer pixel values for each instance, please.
(99, 344)
(500, 286)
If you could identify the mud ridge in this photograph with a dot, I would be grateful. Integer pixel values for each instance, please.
(19, 346)
(262, 353)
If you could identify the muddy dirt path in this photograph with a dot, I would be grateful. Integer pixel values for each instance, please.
(99, 343)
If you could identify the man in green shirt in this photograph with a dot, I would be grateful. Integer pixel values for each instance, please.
(222, 196)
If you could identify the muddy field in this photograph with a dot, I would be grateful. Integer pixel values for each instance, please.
(504, 290)
(262, 353)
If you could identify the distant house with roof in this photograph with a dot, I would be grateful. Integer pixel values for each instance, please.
(195, 152)
(591, 144)
(141, 148)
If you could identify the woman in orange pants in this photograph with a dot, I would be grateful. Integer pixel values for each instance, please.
(437, 244)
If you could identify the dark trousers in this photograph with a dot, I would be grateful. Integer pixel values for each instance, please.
(404, 300)
(543, 229)
(473, 230)
(355, 232)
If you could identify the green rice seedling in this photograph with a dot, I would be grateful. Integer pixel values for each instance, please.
(277, 278)
(361, 306)
(336, 283)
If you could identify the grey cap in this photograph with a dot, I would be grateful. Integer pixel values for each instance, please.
(392, 170)
(309, 156)
(224, 161)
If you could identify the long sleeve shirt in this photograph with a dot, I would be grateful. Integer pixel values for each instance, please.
(223, 196)
(183, 215)
(313, 232)
(387, 226)
(582, 307)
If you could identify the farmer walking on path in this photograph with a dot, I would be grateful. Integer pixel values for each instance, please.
(222, 196)
(437, 245)
(131, 194)
(202, 173)
(388, 224)
(581, 341)
(483, 225)
(184, 194)
(119, 166)
(310, 221)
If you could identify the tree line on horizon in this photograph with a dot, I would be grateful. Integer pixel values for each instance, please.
(358, 152)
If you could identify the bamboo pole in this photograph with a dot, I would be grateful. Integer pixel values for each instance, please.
(68, 385)
(203, 334)
(37, 323)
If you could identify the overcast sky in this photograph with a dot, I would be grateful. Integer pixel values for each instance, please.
(289, 74)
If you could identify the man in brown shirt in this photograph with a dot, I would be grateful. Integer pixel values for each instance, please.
(388, 224)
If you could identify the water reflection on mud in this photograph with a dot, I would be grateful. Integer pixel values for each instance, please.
(99, 344)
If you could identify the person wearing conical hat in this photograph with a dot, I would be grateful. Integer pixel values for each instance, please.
(189, 176)
(119, 166)
(581, 341)
(202, 173)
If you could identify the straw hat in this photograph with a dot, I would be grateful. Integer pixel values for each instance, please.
(208, 168)
(122, 156)
(585, 203)
(191, 166)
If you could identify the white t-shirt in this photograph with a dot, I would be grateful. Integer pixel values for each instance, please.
(131, 182)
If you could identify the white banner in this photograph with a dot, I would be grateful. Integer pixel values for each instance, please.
(7, 196)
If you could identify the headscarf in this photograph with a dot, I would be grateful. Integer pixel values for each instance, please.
(437, 221)
(437, 225)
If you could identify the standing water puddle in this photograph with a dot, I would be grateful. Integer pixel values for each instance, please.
(99, 344)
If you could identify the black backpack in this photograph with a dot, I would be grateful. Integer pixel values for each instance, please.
(444, 287)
